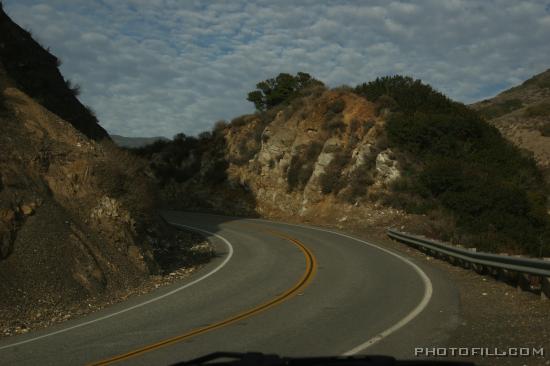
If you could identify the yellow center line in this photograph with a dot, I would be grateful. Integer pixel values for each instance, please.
(305, 279)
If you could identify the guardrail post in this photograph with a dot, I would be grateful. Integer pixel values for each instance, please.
(479, 268)
(503, 275)
(523, 283)
(545, 288)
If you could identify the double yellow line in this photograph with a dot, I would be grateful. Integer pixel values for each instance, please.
(309, 273)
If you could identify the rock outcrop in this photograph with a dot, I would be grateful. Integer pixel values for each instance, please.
(318, 159)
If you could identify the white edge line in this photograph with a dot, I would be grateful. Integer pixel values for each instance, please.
(229, 255)
(428, 290)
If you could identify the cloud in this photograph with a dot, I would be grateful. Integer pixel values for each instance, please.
(166, 66)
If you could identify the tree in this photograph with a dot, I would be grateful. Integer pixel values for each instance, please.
(283, 88)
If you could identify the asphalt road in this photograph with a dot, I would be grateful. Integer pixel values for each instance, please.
(277, 288)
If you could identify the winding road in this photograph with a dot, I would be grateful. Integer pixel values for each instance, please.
(273, 287)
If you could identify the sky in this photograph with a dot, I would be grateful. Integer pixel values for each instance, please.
(160, 67)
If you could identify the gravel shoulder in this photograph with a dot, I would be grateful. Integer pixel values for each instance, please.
(187, 254)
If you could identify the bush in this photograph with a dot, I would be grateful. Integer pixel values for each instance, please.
(239, 121)
(331, 181)
(73, 88)
(302, 164)
(216, 172)
(462, 164)
(333, 118)
(179, 159)
(545, 129)
(246, 150)
(334, 124)
(249, 144)
(359, 182)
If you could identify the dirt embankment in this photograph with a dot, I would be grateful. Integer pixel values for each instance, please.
(78, 220)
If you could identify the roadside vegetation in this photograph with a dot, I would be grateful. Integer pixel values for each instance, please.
(184, 157)
(464, 165)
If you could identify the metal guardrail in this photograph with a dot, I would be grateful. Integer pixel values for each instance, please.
(481, 261)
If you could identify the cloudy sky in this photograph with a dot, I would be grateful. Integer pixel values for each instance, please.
(159, 67)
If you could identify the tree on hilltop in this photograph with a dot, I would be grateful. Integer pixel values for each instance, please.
(283, 88)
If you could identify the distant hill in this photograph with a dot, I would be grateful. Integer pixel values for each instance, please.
(133, 142)
(522, 114)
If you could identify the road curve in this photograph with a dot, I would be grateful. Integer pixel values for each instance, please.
(274, 287)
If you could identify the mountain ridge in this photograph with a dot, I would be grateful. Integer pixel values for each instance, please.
(135, 142)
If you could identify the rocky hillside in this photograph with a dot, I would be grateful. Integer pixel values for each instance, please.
(78, 221)
(388, 153)
(522, 114)
(35, 72)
